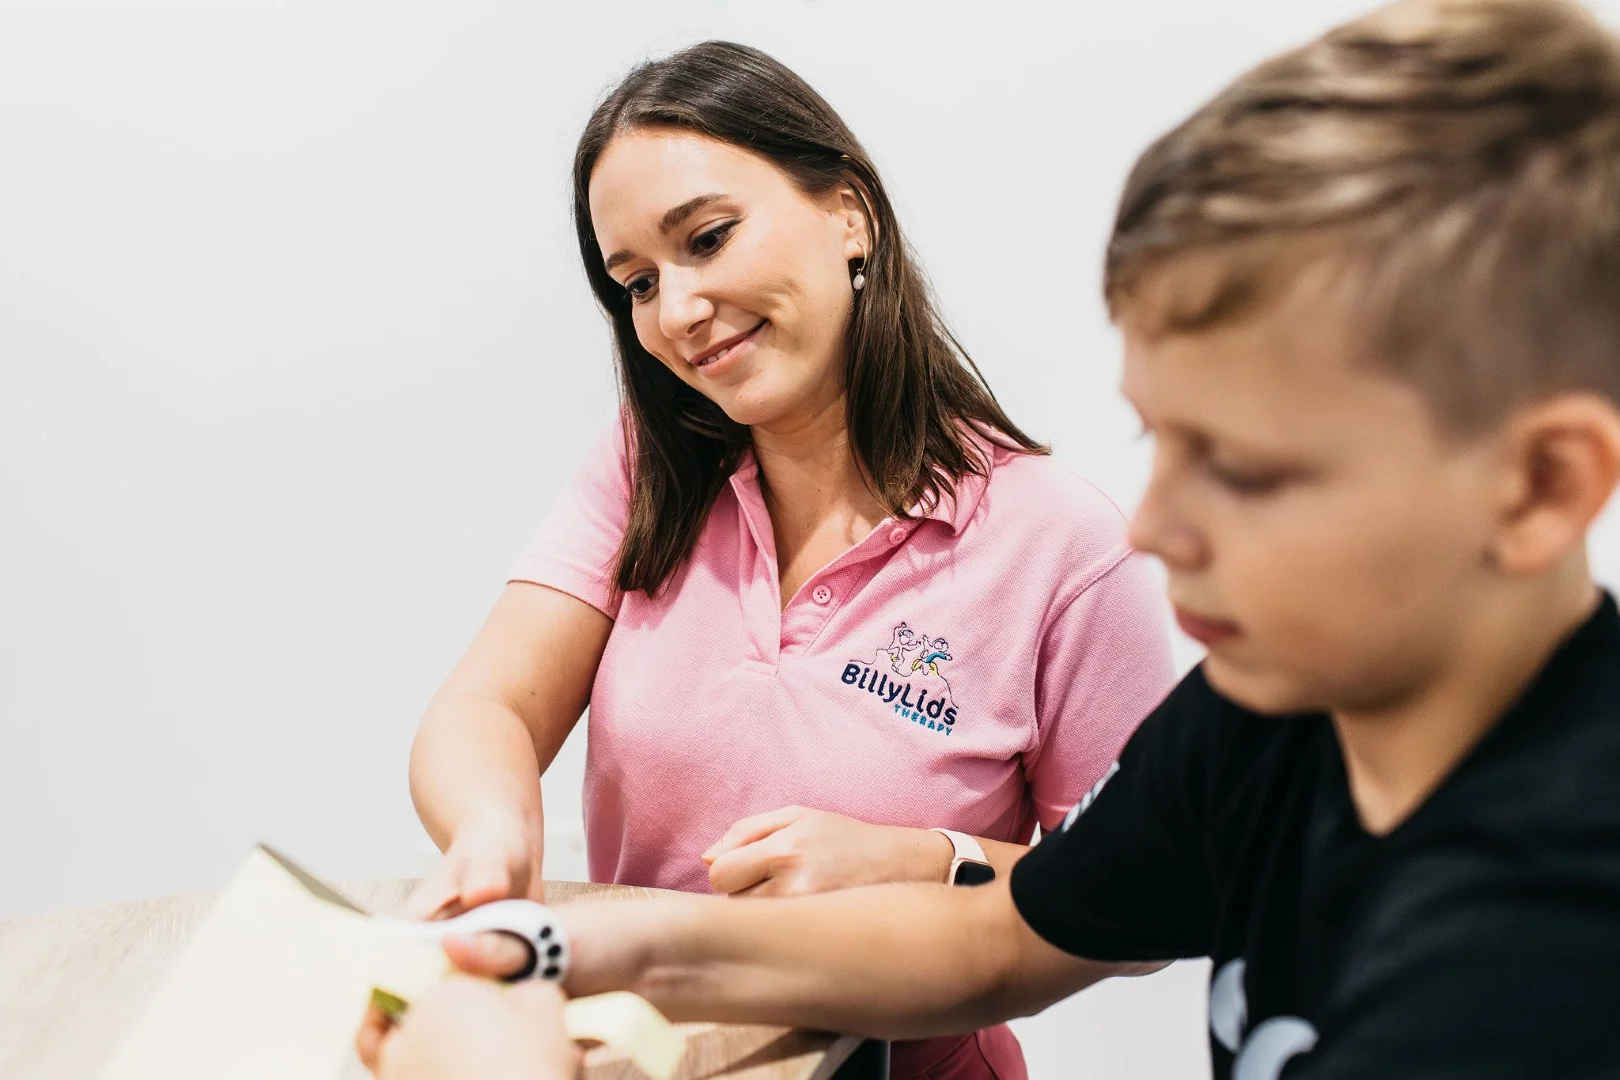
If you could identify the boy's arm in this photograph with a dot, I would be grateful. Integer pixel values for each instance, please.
(1124, 881)
(887, 961)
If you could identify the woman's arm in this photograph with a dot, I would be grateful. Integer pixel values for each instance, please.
(489, 733)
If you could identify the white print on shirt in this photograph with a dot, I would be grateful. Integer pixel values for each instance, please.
(1270, 1046)
(1088, 798)
(905, 675)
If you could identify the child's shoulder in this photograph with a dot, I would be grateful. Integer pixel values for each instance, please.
(1548, 768)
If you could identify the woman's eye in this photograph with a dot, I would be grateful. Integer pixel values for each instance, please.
(639, 288)
(709, 241)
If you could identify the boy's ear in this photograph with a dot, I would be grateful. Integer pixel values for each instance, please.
(1563, 462)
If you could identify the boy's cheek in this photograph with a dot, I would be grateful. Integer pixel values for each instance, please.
(1323, 642)
(1304, 631)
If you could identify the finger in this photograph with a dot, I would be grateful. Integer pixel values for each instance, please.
(538, 997)
(753, 829)
(368, 1041)
(782, 885)
(741, 869)
(484, 880)
(494, 955)
(436, 896)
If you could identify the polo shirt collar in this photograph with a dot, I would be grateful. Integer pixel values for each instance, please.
(955, 511)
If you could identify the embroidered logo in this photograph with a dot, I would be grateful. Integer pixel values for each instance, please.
(907, 676)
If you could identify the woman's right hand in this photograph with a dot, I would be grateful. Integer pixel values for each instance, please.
(489, 858)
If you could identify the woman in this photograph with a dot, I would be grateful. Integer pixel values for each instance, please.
(823, 597)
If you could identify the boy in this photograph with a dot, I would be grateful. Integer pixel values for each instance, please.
(1370, 297)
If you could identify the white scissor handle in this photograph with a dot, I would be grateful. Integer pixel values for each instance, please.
(534, 924)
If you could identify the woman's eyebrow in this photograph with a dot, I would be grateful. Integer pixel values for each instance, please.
(672, 217)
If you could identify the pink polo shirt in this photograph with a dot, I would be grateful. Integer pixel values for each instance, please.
(976, 669)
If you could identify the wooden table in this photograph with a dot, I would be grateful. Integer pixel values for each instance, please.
(72, 984)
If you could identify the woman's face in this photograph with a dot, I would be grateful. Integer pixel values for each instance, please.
(739, 281)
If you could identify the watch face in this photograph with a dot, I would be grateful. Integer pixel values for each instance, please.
(973, 873)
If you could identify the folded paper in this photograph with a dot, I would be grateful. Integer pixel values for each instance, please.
(276, 981)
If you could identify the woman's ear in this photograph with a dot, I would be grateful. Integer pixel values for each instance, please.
(860, 226)
(1563, 463)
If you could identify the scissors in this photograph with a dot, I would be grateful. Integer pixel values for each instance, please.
(531, 923)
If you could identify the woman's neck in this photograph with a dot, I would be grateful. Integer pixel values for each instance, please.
(817, 496)
(807, 466)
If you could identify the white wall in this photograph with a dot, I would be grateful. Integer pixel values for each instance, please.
(294, 353)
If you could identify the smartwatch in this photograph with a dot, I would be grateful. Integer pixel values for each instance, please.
(969, 866)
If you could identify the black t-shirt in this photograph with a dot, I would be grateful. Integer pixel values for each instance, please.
(1479, 939)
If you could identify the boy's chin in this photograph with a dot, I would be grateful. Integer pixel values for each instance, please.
(1265, 691)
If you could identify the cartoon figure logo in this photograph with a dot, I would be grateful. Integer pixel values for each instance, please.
(905, 675)
(934, 653)
(900, 648)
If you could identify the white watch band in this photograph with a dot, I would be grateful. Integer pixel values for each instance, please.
(967, 849)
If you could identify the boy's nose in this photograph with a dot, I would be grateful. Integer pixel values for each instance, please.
(1157, 530)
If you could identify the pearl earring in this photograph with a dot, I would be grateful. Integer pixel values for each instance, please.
(860, 273)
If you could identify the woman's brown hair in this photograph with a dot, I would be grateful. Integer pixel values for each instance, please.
(911, 391)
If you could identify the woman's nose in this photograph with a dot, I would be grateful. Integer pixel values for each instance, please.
(682, 307)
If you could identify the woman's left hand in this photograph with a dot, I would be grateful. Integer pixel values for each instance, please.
(796, 850)
(474, 1027)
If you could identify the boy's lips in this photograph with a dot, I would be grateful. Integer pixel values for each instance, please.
(1204, 630)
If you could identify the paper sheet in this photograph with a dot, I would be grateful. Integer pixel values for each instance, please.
(277, 979)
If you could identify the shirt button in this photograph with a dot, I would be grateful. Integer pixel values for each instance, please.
(897, 535)
(821, 594)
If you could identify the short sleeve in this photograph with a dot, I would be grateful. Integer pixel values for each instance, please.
(1126, 877)
(577, 546)
(1104, 664)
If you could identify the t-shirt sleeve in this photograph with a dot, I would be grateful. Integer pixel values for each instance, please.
(576, 549)
(1104, 663)
(1480, 981)
(1126, 877)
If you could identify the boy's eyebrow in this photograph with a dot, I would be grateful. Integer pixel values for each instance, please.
(1197, 434)
(672, 217)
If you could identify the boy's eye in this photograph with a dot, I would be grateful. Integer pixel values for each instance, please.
(1246, 482)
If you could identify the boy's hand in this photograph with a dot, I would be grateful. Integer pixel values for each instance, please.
(795, 850)
(466, 1027)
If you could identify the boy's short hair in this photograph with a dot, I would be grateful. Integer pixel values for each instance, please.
(1452, 165)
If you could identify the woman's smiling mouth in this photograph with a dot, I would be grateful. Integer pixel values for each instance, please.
(725, 350)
